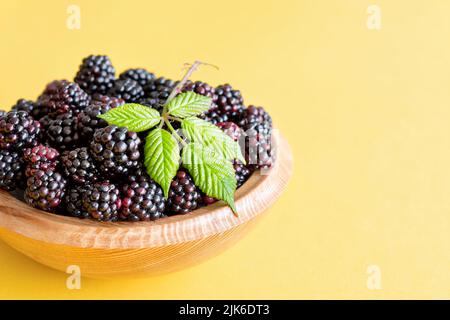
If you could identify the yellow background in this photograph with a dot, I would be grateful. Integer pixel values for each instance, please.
(366, 112)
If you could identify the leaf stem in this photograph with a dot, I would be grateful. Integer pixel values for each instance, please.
(174, 118)
(174, 132)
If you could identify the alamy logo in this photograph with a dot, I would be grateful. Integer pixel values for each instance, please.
(73, 21)
(374, 278)
(73, 282)
(374, 17)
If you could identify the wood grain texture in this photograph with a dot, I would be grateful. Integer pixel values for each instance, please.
(145, 248)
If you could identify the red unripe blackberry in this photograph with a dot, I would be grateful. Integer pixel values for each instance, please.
(257, 125)
(159, 89)
(62, 133)
(128, 90)
(229, 102)
(45, 190)
(18, 130)
(102, 201)
(96, 74)
(106, 101)
(141, 76)
(78, 166)
(184, 196)
(142, 199)
(62, 96)
(231, 129)
(73, 201)
(41, 157)
(11, 170)
(116, 150)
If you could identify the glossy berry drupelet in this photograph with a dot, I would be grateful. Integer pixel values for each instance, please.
(128, 90)
(101, 201)
(96, 74)
(141, 76)
(242, 173)
(88, 121)
(184, 196)
(18, 130)
(116, 150)
(73, 201)
(200, 87)
(31, 107)
(62, 96)
(159, 89)
(11, 170)
(78, 166)
(62, 133)
(106, 101)
(229, 102)
(214, 116)
(41, 157)
(143, 199)
(45, 190)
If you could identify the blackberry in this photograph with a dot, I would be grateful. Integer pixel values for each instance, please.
(45, 190)
(229, 102)
(231, 129)
(29, 106)
(257, 124)
(74, 201)
(128, 90)
(18, 130)
(96, 74)
(41, 158)
(88, 121)
(3, 113)
(62, 133)
(201, 88)
(184, 196)
(11, 166)
(143, 199)
(159, 89)
(116, 150)
(153, 103)
(62, 96)
(141, 76)
(107, 101)
(214, 116)
(242, 172)
(78, 166)
(101, 201)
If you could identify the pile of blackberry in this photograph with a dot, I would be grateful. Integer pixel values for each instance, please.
(66, 160)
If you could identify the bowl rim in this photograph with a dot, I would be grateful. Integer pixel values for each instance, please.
(252, 199)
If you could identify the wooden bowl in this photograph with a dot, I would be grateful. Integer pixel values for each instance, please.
(107, 250)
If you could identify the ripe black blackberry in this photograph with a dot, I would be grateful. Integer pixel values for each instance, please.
(11, 170)
(62, 133)
(45, 190)
(101, 201)
(184, 196)
(62, 96)
(116, 150)
(106, 101)
(31, 107)
(128, 90)
(88, 121)
(18, 130)
(141, 76)
(96, 74)
(257, 125)
(153, 103)
(73, 201)
(229, 102)
(231, 129)
(159, 89)
(78, 166)
(143, 199)
(214, 116)
(242, 172)
(3, 113)
(41, 157)
(201, 88)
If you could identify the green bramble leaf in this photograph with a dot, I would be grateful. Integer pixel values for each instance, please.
(162, 157)
(212, 173)
(201, 131)
(135, 117)
(188, 104)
